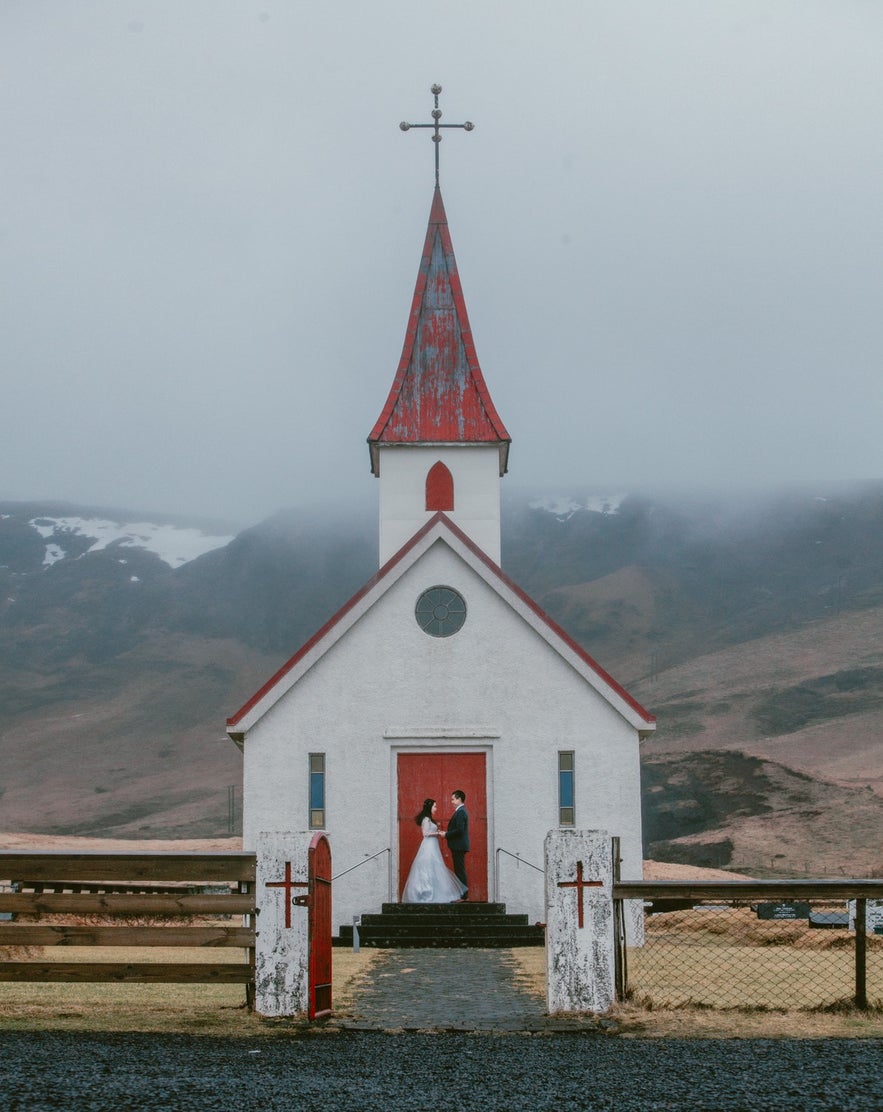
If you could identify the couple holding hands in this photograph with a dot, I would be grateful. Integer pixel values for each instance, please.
(430, 880)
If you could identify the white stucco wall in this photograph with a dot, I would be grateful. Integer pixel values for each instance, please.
(496, 686)
(476, 473)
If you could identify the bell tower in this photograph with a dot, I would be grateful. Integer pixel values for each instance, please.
(439, 443)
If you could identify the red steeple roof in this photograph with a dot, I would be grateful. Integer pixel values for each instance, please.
(439, 393)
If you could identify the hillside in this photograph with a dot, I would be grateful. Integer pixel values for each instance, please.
(751, 629)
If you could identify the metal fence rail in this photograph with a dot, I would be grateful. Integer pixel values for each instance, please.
(764, 944)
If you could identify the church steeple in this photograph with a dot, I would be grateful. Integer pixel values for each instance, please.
(439, 393)
(439, 410)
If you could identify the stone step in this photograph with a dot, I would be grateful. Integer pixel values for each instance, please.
(467, 930)
(469, 907)
(457, 925)
(455, 922)
(494, 942)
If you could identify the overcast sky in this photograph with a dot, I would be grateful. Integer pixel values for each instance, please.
(667, 223)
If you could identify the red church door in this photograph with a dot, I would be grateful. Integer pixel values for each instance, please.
(434, 776)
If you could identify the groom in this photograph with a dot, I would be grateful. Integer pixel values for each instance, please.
(458, 837)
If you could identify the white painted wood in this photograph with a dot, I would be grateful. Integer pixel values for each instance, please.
(475, 470)
(281, 953)
(497, 687)
(580, 973)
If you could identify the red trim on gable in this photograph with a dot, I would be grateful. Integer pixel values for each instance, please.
(320, 634)
(553, 625)
(437, 518)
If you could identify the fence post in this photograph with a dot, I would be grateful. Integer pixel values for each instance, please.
(620, 956)
(282, 943)
(579, 921)
(861, 952)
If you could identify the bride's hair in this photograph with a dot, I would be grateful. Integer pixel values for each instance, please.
(426, 811)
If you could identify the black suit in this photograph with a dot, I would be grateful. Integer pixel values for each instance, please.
(458, 841)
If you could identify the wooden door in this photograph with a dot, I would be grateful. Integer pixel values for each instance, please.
(434, 776)
(319, 903)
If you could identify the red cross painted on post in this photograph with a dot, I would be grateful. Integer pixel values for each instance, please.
(579, 884)
(287, 884)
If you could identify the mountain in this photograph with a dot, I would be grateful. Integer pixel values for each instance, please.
(751, 627)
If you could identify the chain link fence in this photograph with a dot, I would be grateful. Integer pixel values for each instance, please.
(756, 953)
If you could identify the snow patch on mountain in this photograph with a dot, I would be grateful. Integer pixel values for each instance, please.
(173, 544)
(564, 507)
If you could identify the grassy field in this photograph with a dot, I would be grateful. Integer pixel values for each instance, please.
(220, 1010)
(687, 1021)
(193, 1009)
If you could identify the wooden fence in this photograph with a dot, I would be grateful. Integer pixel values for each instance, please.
(175, 899)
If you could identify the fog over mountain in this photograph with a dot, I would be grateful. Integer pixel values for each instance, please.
(752, 629)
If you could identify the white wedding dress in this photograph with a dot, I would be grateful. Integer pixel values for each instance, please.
(430, 881)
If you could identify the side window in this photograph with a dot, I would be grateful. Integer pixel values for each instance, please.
(439, 488)
(317, 791)
(565, 788)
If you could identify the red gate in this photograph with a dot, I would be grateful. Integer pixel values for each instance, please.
(319, 903)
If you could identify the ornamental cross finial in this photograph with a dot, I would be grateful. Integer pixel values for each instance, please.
(436, 126)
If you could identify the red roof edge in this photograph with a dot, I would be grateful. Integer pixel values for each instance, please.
(437, 220)
(553, 625)
(332, 622)
(384, 571)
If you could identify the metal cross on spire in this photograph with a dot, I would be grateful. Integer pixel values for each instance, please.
(436, 126)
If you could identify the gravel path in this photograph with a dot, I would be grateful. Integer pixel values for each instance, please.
(445, 989)
(369, 1071)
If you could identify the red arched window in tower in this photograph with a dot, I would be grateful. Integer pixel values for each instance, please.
(439, 488)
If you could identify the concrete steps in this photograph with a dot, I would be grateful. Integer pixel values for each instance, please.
(476, 925)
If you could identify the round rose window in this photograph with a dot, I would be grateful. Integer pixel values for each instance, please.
(440, 611)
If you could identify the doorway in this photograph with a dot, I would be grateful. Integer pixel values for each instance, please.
(435, 776)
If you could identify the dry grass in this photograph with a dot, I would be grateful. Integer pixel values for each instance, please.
(192, 1009)
(693, 1022)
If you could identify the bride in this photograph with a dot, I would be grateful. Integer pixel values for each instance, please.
(430, 880)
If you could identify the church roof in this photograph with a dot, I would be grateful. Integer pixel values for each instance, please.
(439, 394)
(438, 528)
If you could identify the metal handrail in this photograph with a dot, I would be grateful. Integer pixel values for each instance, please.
(517, 857)
(373, 856)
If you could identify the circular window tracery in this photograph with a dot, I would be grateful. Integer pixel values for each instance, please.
(440, 611)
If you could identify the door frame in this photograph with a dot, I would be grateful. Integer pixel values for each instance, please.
(447, 746)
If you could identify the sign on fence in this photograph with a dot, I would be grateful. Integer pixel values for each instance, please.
(783, 911)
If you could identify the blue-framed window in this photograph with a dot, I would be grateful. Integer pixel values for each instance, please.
(317, 791)
(565, 788)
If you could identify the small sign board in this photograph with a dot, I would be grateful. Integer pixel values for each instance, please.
(783, 911)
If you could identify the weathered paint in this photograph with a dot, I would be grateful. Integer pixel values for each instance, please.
(282, 942)
(579, 921)
(439, 394)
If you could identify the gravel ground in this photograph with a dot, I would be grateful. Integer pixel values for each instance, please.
(368, 1071)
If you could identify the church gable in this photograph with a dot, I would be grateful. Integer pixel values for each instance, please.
(435, 608)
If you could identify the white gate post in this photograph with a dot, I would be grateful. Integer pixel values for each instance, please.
(579, 921)
(282, 943)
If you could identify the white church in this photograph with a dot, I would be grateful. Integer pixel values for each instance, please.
(440, 673)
